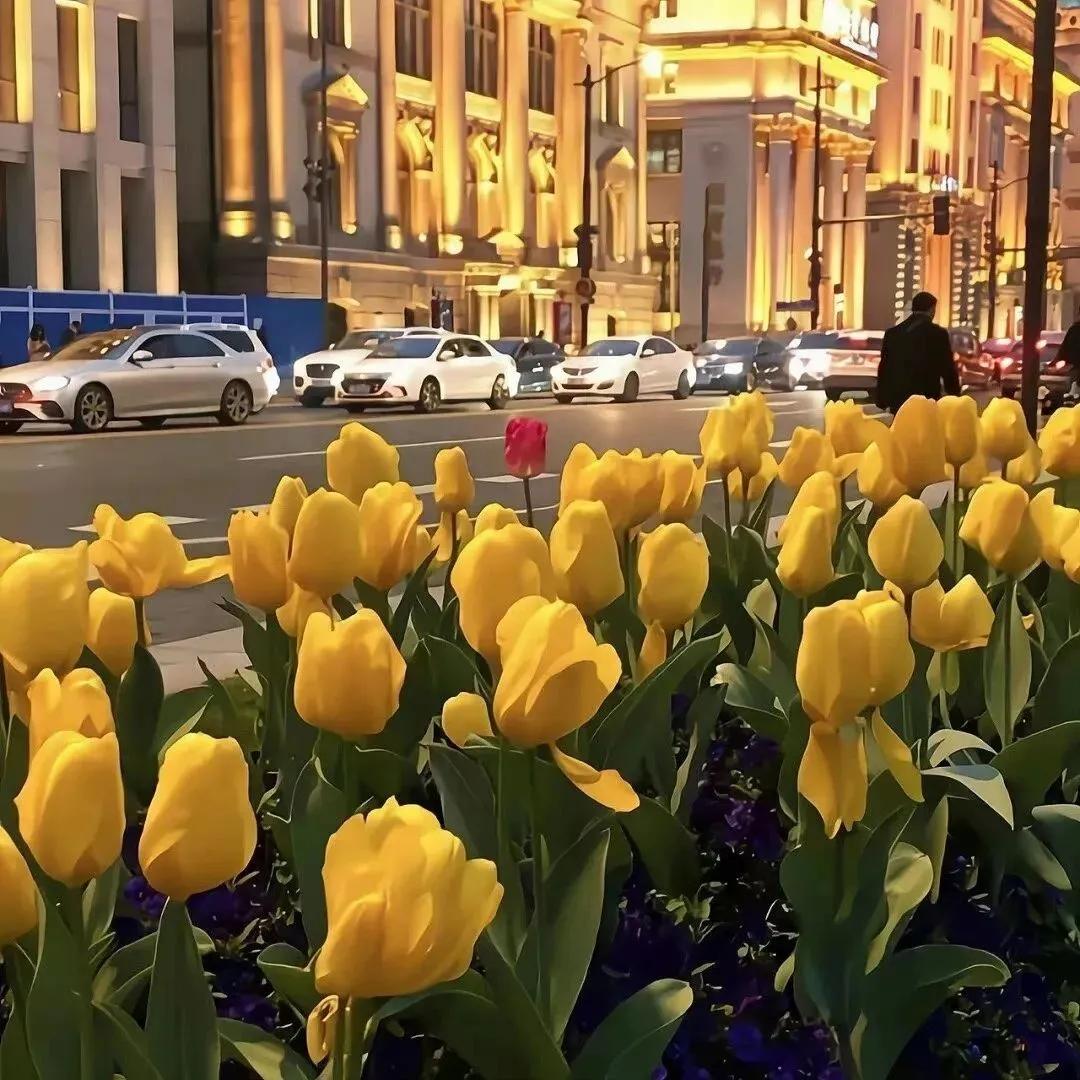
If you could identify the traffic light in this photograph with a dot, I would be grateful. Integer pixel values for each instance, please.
(942, 215)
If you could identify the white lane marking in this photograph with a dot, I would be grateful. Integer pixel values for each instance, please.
(399, 446)
(507, 479)
(168, 521)
(772, 405)
(781, 445)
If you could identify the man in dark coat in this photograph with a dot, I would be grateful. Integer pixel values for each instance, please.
(916, 358)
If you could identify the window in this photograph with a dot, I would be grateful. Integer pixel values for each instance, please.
(475, 348)
(613, 98)
(333, 11)
(916, 95)
(804, 81)
(918, 31)
(935, 106)
(667, 9)
(413, 35)
(663, 153)
(913, 158)
(67, 52)
(971, 117)
(856, 101)
(952, 53)
(237, 340)
(127, 50)
(948, 112)
(481, 48)
(541, 67)
(165, 346)
(8, 109)
(804, 10)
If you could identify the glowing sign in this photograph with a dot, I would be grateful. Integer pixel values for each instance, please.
(852, 30)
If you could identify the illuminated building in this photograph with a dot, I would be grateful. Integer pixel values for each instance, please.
(455, 133)
(87, 145)
(730, 156)
(1068, 51)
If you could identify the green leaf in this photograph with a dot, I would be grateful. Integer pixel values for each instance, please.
(1007, 667)
(631, 1040)
(319, 809)
(906, 988)
(454, 671)
(751, 699)
(268, 1058)
(417, 583)
(1058, 824)
(99, 902)
(181, 1024)
(1030, 765)
(948, 741)
(138, 709)
(981, 782)
(1055, 697)
(379, 773)
(907, 882)
(1038, 861)
(667, 848)
(125, 1041)
(701, 719)
(124, 975)
(287, 971)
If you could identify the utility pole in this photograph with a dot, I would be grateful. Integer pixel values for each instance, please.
(1038, 203)
(815, 218)
(324, 173)
(991, 282)
(586, 286)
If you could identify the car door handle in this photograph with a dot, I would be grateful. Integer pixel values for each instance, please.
(217, 363)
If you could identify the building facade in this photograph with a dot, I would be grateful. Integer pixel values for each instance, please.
(87, 145)
(1068, 50)
(456, 137)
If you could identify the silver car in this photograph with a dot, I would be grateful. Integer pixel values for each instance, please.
(144, 373)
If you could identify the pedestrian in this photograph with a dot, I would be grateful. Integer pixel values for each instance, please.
(916, 358)
(791, 325)
(1070, 353)
(37, 345)
(74, 330)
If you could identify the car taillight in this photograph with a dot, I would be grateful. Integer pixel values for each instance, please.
(1007, 361)
(266, 365)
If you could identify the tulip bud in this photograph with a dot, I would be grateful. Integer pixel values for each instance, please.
(585, 557)
(805, 562)
(905, 545)
(720, 438)
(390, 545)
(998, 524)
(756, 415)
(878, 481)
(684, 485)
(629, 486)
(494, 516)
(359, 459)
(759, 482)
(820, 490)
(961, 618)
(200, 829)
(454, 486)
(1004, 430)
(44, 610)
(79, 703)
(18, 912)
(525, 448)
(71, 807)
(1027, 468)
(892, 661)
(849, 429)
(464, 715)
(974, 472)
(349, 675)
(11, 551)
(1059, 442)
(112, 630)
(452, 530)
(497, 569)
(321, 1032)
(654, 651)
(810, 452)
(833, 693)
(325, 544)
(395, 869)
(960, 424)
(259, 551)
(918, 441)
(288, 498)
(292, 617)
(571, 486)
(833, 775)
(1055, 525)
(673, 571)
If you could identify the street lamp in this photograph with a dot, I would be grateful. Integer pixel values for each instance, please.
(815, 218)
(652, 64)
(995, 246)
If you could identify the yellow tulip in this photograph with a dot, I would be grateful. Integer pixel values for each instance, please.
(1059, 442)
(821, 491)
(325, 546)
(494, 516)
(974, 472)
(349, 675)
(18, 912)
(756, 414)
(71, 807)
(891, 659)
(684, 485)
(833, 775)
(200, 829)
(78, 702)
(293, 615)
(759, 482)
(849, 429)
(804, 565)
(496, 570)
(390, 545)
(1056, 525)
(905, 545)
(464, 715)
(673, 572)
(654, 651)
(960, 425)
(259, 559)
(831, 692)
(918, 441)
(1027, 468)
(629, 485)
(386, 874)
(1003, 430)
(321, 1030)
(877, 476)
(950, 621)
(454, 486)
(585, 557)
(571, 486)
(359, 459)
(11, 551)
(112, 630)
(452, 529)
(44, 610)
(999, 525)
(721, 439)
(289, 497)
(1070, 557)
(810, 452)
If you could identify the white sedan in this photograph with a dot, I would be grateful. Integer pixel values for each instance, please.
(424, 370)
(624, 368)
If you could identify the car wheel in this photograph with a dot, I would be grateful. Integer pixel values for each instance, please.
(236, 404)
(833, 395)
(152, 423)
(310, 401)
(430, 396)
(355, 408)
(630, 389)
(500, 394)
(682, 391)
(564, 399)
(9, 427)
(93, 409)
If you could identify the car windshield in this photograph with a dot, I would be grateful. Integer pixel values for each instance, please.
(105, 344)
(366, 339)
(814, 341)
(408, 348)
(998, 346)
(612, 347)
(508, 345)
(728, 347)
(860, 344)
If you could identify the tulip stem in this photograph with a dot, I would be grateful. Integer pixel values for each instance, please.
(538, 888)
(956, 523)
(71, 911)
(528, 501)
(359, 1034)
(5, 705)
(744, 514)
(727, 508)
(140, 621)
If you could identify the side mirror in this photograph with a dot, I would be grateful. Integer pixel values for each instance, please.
(140, 356)
(648, 352)
(446, 354)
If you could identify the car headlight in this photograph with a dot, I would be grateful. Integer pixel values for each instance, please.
(734, 367)
(50, 384)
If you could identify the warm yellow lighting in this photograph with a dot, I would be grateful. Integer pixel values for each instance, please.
(652, 63)
(509, 282)
(451, 243)
(238, 223)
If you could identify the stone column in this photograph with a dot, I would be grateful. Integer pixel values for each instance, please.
(833, 244)
(801, 240)
(109, 225)
(515, 118)
(236, 117)
(780, 215)
(760, 298)
(855, 247)
(450, 124)
(569, 135)
(388, 149)
(162, 253)
(277, 186)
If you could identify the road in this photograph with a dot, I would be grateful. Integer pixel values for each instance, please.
(197, 474)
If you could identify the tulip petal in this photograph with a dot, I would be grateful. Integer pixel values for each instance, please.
(833, 775)
(897, 757)
(465, 715)
(654, 651)
(604, 786)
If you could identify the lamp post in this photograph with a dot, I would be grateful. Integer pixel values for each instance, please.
(996, 248)
(815, 215)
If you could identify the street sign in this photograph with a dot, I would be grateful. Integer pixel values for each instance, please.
(794, 305)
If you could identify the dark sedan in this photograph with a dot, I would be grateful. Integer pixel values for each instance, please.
(534, 359)
(738, 364)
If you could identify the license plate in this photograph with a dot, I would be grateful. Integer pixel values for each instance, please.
(6, 407)
(733, 369)
(320, 382)
(360, 390)
(576, 382)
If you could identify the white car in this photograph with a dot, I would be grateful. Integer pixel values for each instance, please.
(144, 373)
(424, 370)
(623, 368)
(315, 376)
